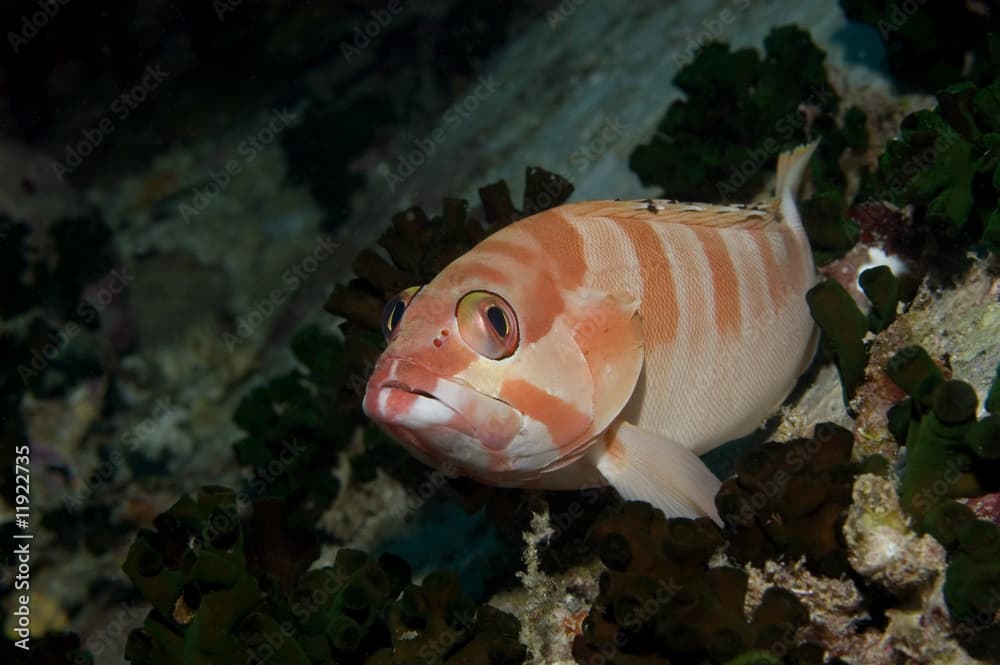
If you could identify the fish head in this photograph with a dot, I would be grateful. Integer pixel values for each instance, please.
(500, 381)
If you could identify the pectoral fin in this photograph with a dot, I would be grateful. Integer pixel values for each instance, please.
(645, 466)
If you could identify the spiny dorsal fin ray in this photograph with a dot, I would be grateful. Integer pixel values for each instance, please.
(753, 216)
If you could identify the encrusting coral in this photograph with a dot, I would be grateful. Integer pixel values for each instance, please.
(790, 499)
(659, 602)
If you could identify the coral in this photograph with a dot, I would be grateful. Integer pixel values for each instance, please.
(434, 623)
(226, 591)
(295, 428)
(838, 611)
(881, 546)
(740, 112)
(949, 454)
(790, 499)
(845, 327)
(659, 601)
(544, 604)
(930, 44)
(943, 164)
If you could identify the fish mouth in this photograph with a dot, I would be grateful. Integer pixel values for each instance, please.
(402, 394)
(399, 385)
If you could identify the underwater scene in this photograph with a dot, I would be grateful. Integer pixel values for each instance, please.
(430, 332)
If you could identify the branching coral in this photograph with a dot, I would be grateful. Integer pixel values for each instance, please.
(845, 326)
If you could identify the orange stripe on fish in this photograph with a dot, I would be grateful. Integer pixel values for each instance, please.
(773, 277)
(660, 293)
(562, 420)
(556, 236)
(519, 253)
(607, 339)
(725, 284)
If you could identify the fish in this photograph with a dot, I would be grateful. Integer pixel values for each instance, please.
(604, 343)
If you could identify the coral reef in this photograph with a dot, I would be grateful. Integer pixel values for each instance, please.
(790, 500)
(293, 437)
(224, 590)
(949, 453)
(659, 601)
(825, 552)
(881, 545)
(943, 165)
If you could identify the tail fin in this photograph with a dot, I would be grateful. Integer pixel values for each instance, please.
(791, 165)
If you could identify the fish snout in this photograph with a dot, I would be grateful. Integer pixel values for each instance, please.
(435, 410)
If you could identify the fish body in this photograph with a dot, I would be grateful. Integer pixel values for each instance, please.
(604, 342)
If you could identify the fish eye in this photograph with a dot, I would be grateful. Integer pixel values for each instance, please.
(487, 323)
(392, 313)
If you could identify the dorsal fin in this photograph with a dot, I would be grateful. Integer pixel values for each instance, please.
(752, 216)
(791, 166)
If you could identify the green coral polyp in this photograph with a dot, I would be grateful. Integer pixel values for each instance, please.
(943, 439)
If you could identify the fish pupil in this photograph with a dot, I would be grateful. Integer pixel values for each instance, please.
(397, 314)
(393, 316)
(498, 320)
